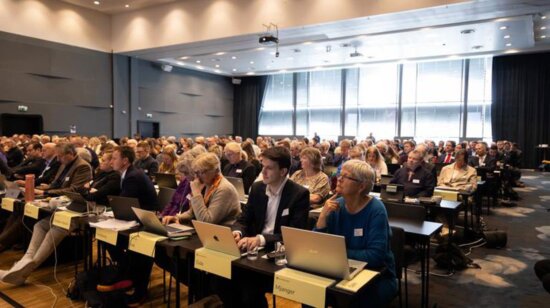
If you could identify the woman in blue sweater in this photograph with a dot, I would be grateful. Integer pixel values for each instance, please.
(363, 221)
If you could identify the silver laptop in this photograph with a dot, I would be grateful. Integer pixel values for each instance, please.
(152, 224)
(239, 186)
(216, 237)
(319, 253)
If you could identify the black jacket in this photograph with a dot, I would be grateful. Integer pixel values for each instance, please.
(294, 203)
(106, 184)
(490, 162)
(14, 156)
(420, 184)
(149, 165)
(243, 170)
(136, 184)
(49, 172)
(30, 166)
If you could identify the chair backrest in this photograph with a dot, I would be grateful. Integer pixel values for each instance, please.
(392, 168)
(164, 196)
(397, 244)
(407, 211)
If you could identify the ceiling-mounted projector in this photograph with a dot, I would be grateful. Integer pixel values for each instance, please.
(355, 54)
(268, 39)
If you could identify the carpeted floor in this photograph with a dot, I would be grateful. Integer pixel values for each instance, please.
(505, 277)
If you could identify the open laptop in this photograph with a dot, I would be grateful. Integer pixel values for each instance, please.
(78, 203)
(216, 237)
(166, 180)
(11, 189)
(122, 207)
(385, 179)
(239, 186)
(152, 224)
(392, 192)
(319, 253)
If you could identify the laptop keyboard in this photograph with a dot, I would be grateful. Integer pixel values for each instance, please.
(173, 229)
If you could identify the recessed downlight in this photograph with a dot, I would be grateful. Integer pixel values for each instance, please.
(97, 3)
(234, 69)
(217, 65)
(543, 28)
(543, 36)
(233, 57)
(184, 58)
(127, 6)
(509, 44)
(250, 73)
(503, 28)
(506, 36)
(198, 61)
(220, 53)
(251, 62)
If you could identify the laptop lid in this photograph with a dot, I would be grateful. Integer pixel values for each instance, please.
(392, 192)
(78, 203)
(216, 237)
(122, 207)
(318, 253)
(385, 179)
(166, 180)
(152, 224)
(238, 183)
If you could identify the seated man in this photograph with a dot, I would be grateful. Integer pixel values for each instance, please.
(73, 175)
(417, 181)
(33, 164)
(458, 175)
(274, 202)
(447, 157)
(483, 159)
(144, 161)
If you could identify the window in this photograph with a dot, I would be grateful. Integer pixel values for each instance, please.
(432, 106)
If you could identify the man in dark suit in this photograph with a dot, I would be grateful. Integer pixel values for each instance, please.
(135, 267)
(272, 203)
(33, 164)
(417, 181)
(51, 167)
(144, 161)
(448, 156)
(483, 159)
(14, 155)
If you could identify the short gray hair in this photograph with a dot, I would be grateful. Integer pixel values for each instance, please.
(361, 171)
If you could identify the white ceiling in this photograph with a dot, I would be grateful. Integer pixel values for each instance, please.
(116, 6)
(416, 35)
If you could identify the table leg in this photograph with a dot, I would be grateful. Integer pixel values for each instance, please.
(176, 273)
(423, 275)
(427, 272)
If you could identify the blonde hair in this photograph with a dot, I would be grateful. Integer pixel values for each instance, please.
(185, 164)
(206, 161)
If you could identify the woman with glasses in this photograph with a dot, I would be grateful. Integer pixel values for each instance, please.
(179, 202)
(212, 199)
(363, 221)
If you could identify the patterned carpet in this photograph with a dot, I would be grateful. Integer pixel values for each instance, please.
(505, 277)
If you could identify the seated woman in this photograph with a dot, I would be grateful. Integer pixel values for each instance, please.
(238, 165)
(45, 238)
(311, 177)
(363, 221)
(377, 163)
(458, 175)
(179, 202)
(168, 163)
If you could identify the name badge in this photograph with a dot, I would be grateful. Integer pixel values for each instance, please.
(67, 178)
(188, 197)
(358, 232)
(146, 171)
(239, 171)
(285, 212)
(416, 181)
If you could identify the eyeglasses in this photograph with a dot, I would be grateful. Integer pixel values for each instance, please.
(200, 172)
(349, 178)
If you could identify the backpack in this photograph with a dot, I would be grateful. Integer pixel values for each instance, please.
(84, 287)
(451, 257)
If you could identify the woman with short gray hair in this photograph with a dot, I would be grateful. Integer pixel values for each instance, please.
(363, 221)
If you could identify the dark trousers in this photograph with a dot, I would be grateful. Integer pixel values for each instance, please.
(12, 230)
(542, 269)
(133, 266)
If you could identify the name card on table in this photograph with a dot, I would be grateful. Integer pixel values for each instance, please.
(214, 262)
(447, 194)
(62, 219)
(301, 287)
(144, 242)
(106, 235)
(358, 281)
(7, 204)
(31, 210)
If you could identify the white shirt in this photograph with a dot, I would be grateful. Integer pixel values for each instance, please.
(482, 161)
(273, 199)
(122, 176)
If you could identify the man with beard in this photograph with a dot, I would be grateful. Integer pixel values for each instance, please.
(417, 181)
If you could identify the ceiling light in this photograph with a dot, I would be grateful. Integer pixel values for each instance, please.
(260, 48)
(318, 67)
(272, 53)
(220, 53)
(425, 29)
(308, 43)
(234, 70)
(543, 36)
(96, 2)
(453, 57)
(127, 6)
(215, 60)
(198, 61)
(200, 67)
(217, 71)
(543, 17)
(543, 28)
(250, 73)
(184, 58)
(282, 71)
(506, 36)
(251, 62)
(233, 57)
(511, 51)
(503, 28)
(509, 44)
(180, 63)
(217, 65)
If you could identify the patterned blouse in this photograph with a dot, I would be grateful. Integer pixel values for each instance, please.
(318, 184)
